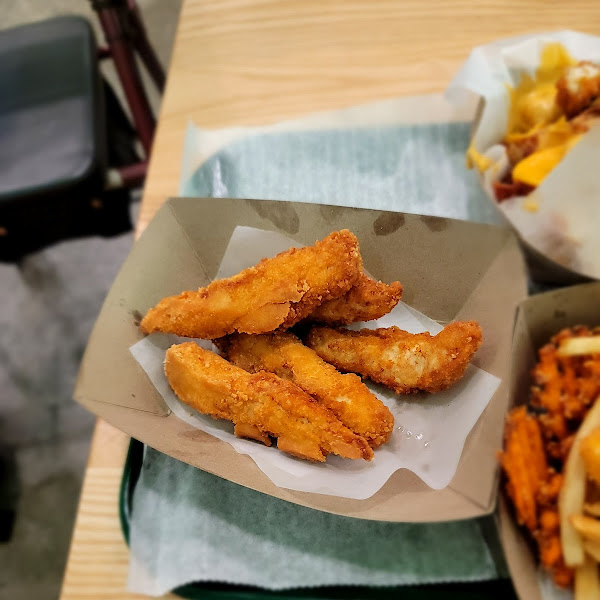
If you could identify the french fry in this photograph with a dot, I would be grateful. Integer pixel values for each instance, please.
(572, 494)
(578, 346)
(587, 527)
(560, 504)
(592, 548)
(587, 582)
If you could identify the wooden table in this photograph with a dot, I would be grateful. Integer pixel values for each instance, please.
(249, 62)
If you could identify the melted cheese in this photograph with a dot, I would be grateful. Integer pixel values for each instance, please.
(536, 166)
(533, 169)
(530, 205)
(477, 160)
(531, 108)
(534, 111)
(532, 102)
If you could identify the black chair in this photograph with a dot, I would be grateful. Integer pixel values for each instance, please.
(68, 157)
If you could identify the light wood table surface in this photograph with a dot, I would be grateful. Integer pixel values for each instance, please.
(249, 62)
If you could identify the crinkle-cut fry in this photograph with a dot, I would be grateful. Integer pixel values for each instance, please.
(367, 300)
(405, 362)
(345, 395)
(259, 404)
(278, 292)
(524, 464)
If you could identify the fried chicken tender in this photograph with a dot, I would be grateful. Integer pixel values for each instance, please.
(278, 292)
(578, 87)
(405, 362)
(346, 396)
(367, 300)
(260, 405)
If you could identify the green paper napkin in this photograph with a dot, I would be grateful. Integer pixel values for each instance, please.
(408, 168)
(188, 525)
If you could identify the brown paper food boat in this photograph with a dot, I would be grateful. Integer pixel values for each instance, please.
(538, 319)
(450, 270)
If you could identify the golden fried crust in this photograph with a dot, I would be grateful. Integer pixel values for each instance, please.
(586, 118)
(405, 362)
(524, 464)
(365, 301)
(259, 404)
(346, 396)
(278, 292)
(578, 88)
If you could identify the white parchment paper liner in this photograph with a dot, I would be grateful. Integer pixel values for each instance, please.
(565, 226)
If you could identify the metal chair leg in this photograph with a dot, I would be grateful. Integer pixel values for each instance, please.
(144, 48)
(119, 43)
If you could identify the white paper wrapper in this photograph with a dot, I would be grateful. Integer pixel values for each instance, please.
(565, 226)
(430, 430)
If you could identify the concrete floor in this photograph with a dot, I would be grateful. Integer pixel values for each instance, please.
(48, 307)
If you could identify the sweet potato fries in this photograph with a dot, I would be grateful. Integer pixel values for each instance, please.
(538, 439)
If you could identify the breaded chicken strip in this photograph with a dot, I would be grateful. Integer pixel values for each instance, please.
(405, 362)
(365, 301)
(260, 405)
(278, 292)
(346, 396)
(578, 88)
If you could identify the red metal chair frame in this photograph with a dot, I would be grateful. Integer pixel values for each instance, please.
(125, 36)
